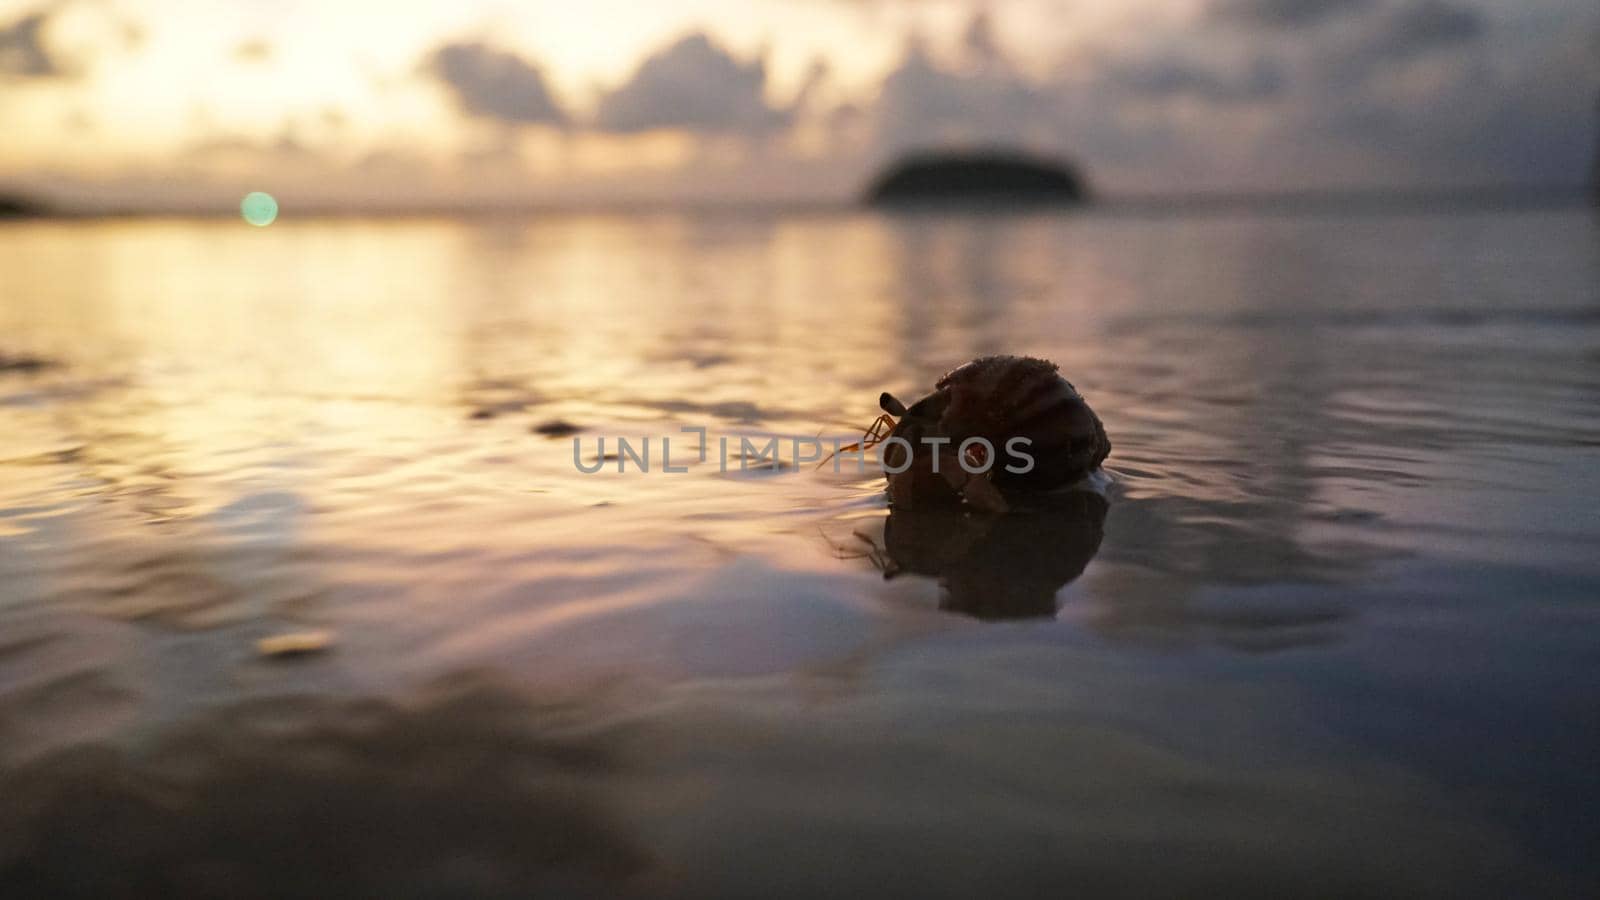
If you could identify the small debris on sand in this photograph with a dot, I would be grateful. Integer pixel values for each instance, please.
(294, 644)
(556, 428)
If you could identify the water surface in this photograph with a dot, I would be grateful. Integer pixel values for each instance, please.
(1336, 626)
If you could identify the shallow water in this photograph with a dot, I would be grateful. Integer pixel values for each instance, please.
(1338, 627)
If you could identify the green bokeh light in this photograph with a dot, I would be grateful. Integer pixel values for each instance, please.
(259, 209)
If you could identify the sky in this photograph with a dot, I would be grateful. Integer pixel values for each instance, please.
(179, 104)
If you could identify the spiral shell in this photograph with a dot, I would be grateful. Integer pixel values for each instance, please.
(998, 399)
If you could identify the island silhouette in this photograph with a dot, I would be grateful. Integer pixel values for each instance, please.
(999, 177)
(16, 206)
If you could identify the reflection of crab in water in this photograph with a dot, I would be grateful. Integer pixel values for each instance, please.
(994, 567)
(997, 427)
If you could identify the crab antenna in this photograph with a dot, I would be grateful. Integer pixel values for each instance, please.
(890, 405)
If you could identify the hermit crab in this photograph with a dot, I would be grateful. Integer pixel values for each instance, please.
(998, 427)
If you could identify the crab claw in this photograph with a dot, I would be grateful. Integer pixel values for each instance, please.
(979, 492)
(918, 486)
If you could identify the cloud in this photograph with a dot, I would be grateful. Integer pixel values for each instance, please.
(253, 51)
(131, 34)
(1375, 30)
(1353, 71)
(923, 102)
(1443, 95)
(694, 85)
(1172, 77)
(23, 51)
(1117, 105)
(65, 40)
(1419, 27)
(979, 39)
(1427, 92)
(1251, 94)
(1382, 29)
(495, 84)
(1286, 13)
(1415, 91)
(225, 152)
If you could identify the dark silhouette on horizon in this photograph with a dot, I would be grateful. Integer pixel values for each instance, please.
(982, 178)
(16, 206)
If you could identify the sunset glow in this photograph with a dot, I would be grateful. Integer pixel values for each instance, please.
(177, 105)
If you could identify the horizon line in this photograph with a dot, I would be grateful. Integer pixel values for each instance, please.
(1364, 198)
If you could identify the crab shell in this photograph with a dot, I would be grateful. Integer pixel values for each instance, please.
(997, 398)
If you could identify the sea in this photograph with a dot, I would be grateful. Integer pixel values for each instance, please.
(305, 590)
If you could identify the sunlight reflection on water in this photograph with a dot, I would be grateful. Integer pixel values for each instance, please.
(1352, 522)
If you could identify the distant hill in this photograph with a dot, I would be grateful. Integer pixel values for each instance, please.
(986, 178)
(13, 206)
